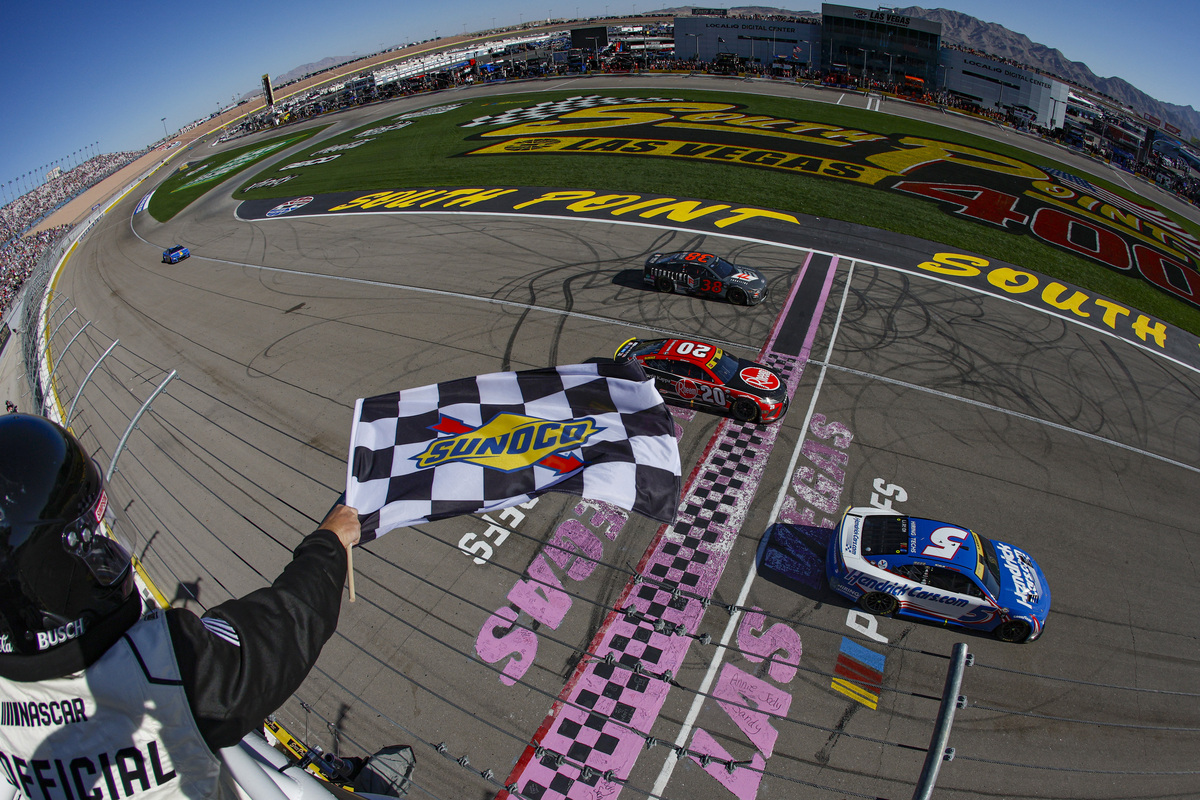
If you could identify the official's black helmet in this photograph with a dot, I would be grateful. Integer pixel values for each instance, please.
(60, 574)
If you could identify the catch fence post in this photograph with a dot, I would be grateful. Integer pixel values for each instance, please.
(938, 752)
(112, 465)
(59, 325)
(50, 381)
(54, 310)
(88, 377)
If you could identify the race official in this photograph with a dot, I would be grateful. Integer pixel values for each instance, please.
(100, 701)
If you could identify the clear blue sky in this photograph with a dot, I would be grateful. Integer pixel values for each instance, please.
(81, 72)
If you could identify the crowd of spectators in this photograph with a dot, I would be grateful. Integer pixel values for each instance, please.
(18, 258)
(35, 205)
(780, 18)
(19, 250)
(1167, 174)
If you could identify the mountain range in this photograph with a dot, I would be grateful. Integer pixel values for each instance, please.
(997, 40)
(988, 37)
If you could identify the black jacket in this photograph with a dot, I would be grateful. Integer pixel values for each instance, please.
(281, 629)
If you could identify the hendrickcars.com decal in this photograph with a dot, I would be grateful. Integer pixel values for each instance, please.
(983, 275)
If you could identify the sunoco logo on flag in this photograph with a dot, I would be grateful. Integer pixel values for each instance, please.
(509, 442)
(478, 444)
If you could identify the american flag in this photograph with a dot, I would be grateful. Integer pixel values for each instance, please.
(1148, 212)
(1181, 238)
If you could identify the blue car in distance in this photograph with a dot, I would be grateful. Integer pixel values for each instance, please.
(895, 564)
(175, 254)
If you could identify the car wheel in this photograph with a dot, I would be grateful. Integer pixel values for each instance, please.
(736, 296)
(1013, 630)
(744, 410)
(879, 604)
(664, 285)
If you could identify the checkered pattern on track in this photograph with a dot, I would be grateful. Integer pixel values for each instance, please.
(554, 108)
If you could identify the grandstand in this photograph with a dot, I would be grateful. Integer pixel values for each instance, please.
(21, 247)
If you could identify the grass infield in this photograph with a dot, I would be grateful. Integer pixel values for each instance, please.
(427, 154)
(189, 182)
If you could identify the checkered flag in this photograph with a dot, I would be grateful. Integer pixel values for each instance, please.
(477, 444)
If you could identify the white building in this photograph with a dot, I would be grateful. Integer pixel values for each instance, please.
(758, 40)
(996, 85)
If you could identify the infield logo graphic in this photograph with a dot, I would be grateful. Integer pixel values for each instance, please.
(235, 164)
(509, 442)
(1065, 211)
(858, 673)
(289, 206)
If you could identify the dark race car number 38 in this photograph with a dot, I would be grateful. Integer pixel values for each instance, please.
(705, 275)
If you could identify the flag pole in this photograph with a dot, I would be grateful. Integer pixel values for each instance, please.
(349, 550)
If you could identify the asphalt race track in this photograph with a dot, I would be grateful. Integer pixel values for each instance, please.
(942, 401)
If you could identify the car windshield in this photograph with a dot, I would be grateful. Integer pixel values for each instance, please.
(725, 368)
(988, 567)
(723, 268)
(884, 535)
(647, 348)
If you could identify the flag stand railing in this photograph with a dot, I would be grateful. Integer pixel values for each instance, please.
(951, 702)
